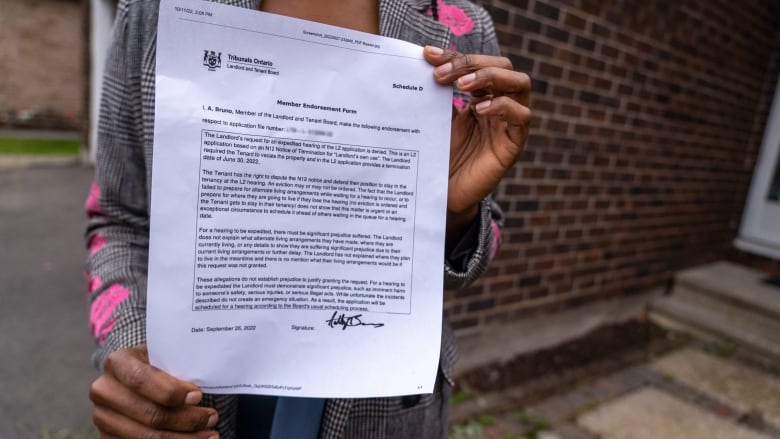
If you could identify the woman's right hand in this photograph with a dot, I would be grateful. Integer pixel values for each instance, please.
(136, 400)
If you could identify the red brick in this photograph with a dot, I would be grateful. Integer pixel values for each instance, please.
(550, 71)
(577, 77)
(43, 63)
(544, 105)
(568, 57)
(546, 10)
(574, 21)
(585, 43)
(570, 110)
(564, 92)
(556, 33)
(599, 30)
(540, 48)
(557, 126)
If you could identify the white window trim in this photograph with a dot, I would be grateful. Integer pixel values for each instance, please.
(759, 232)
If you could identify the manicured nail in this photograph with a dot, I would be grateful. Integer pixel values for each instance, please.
(483, 105)
(433, 50)
(466, 80)
(212, 420)
(443, 69)
(192, 398)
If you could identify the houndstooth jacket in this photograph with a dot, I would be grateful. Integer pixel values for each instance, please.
(118, 208)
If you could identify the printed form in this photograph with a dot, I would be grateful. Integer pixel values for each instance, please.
(298, 207)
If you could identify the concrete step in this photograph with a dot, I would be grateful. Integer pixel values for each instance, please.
(729, 314)
(732, 284)
(747, 329)
(728, 301)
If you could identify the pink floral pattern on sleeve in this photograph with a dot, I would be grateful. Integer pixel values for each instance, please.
(496, 247)
(93, 283)
(93, 201)
(102, 310)
(455, 18)
(96, 243)
(459, 23)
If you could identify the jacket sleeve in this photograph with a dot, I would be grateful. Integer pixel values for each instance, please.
(117, 207)
(485, 246)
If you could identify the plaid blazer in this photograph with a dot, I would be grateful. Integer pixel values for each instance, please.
(118, 208)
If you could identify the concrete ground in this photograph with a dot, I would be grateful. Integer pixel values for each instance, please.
(694, 392)
(46, 370)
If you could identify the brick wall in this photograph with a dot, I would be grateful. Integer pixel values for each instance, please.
(42, 75)
(648, 116)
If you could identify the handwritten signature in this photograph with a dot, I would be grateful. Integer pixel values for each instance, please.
(342, 320)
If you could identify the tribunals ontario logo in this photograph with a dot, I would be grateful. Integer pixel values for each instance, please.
(212, 60)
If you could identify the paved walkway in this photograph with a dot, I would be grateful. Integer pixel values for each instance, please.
(45, 369)
(689, 393)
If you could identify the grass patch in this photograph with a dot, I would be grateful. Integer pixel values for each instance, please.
(39, 146)
(459, 397)
(472, 428)
(722, 348)
(469, 429)
(532, 425)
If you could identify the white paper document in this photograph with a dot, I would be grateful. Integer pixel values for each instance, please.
(298, 207)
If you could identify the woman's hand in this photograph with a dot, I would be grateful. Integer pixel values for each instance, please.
(136, 400)
(488, 135)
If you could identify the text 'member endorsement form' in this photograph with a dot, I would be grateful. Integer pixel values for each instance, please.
(298, 207)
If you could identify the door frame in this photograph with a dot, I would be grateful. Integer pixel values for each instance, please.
(759, 232)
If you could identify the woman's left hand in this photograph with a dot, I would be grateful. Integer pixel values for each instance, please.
(488, 135)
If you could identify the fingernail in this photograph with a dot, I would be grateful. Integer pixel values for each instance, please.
(466, 80)
(214, 437)
(443, 69)
(433, 50)
(192, 398)
(483, 105)
(212, 420)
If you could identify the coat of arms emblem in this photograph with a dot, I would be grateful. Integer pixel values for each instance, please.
(212, 60)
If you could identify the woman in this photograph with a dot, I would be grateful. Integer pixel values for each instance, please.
(489, 129)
